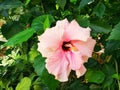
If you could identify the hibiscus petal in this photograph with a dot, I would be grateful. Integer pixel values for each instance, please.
(85, 48)
(75, 32)
(75, 60)
(80, 72)
(51, 39)
(58, 66)
(62, 24)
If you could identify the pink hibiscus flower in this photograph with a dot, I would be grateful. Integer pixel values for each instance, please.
(67, 46)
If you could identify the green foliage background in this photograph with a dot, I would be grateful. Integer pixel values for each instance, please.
(23, 68)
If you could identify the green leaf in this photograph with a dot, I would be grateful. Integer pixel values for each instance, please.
(42, 22)
(27, 2)
(49, 80)
(94, 76)
(2, 84)
(115, 34)
(94, 87)
(102, 28)
(73, 1)
(9, 88)
(24, 84)
(108, 70)
(76, 85)
(99, 9)
(61, 3)
(20, 37)
(116, 76)
(39, 65)
(108, 81)
(11, 28)
(84, 2)
(25, 18)
(111, 46)
(32, 54)
(46, 78)
(91, 63)
(65, 13)
(83, 20)
(7, 4)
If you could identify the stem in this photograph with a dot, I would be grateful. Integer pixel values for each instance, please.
(116, 65)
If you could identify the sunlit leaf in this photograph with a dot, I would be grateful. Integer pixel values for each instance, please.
(116, 76)
(27, 2)
(24, 84)
(2, 84)
(20, 37)
(32, 54)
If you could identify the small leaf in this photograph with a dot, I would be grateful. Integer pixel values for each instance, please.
(32, 55)
(24, 84)
(65, 13)
(20, 37)
(115, 34)
(61, 3)
(99, 9)
(42, 22)
(94, 76)
(7, 4)
(84, 2)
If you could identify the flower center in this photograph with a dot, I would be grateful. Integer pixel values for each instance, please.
(66, 46)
